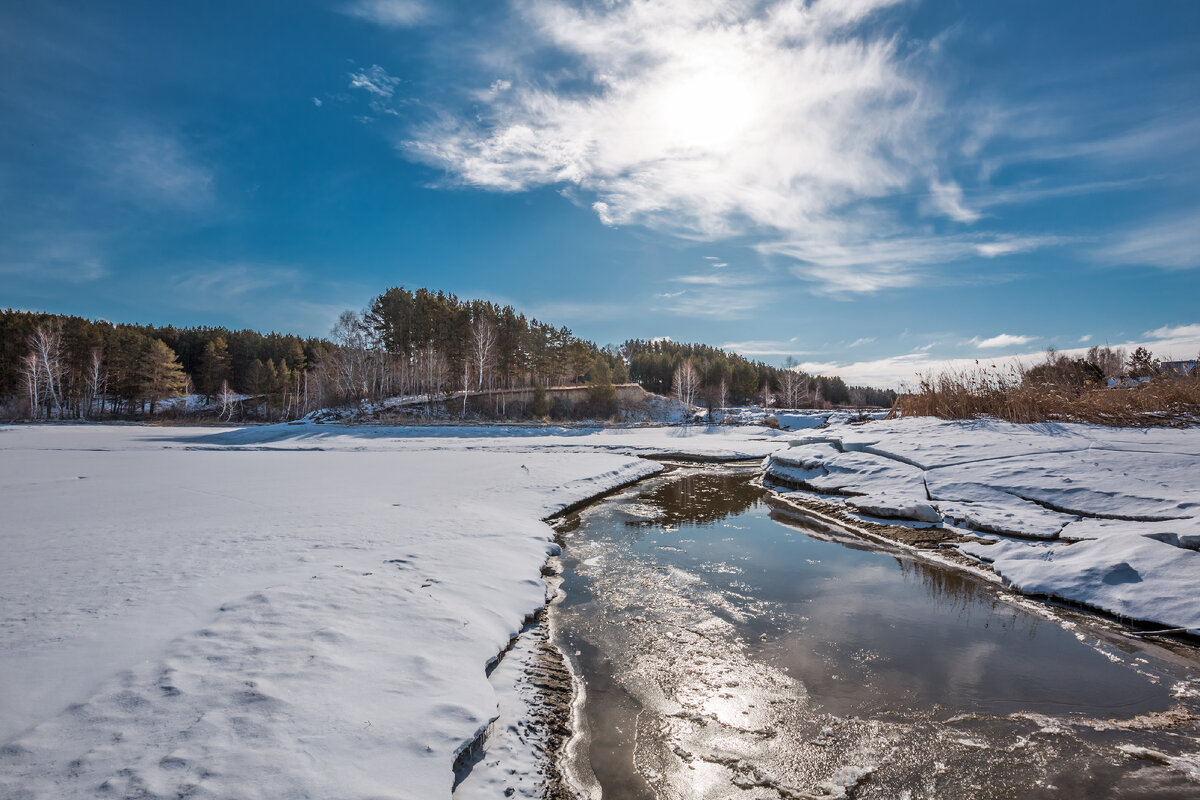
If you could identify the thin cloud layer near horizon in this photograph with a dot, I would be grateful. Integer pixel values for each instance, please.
(869, 187)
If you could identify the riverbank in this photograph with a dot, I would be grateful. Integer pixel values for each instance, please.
(1106, 518)
(729, 648)
(312, 608)
(278, 610)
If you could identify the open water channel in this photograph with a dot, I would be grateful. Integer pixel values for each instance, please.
(728, 650)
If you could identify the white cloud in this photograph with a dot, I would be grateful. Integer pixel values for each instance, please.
(54, 256)
(155, 169)
(705, 280)
(388, 13)
(846, 257)
(1085, 338)
(861, 341)
(601, 209)
(1002, 340)
(948, 198)
(1177, 332)
(318, 102)
(375, 80)
(207, 283)
(766, 348)
(1172, 243)
(786, 121)
(1007, 245)
(1182, 341)
(714, 301)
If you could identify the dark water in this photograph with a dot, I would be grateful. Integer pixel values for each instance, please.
(729, 650)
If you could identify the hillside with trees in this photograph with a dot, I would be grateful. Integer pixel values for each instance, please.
(406, 343)
(61, 367)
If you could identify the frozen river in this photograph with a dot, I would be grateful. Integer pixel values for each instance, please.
(730, 650)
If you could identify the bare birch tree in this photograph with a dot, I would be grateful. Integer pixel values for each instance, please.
(32, 371)
(483, 345)
(226, 398)
(685, 383)
(46, 345)
(97, 381)
(791, 386)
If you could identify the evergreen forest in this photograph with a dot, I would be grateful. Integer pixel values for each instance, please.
(420, 344)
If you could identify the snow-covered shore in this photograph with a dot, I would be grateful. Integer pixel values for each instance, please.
(1105, 517)
(279, 611)
(308, 610)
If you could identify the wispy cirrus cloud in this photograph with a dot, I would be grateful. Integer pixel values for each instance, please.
(948, 198)
(711, 120)
(374, 80)
(209, 283)
(714, 300)
(813, 131)
(767, 347)
(1169, 243)
(155, 169)
(389, 13)
(54, 255)
(380, 87)
(841, 259)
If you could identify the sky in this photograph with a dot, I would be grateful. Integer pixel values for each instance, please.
(865, 187)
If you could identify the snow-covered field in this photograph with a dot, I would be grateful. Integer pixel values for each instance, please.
(286, 611)
(1105, 517)
(307, 610)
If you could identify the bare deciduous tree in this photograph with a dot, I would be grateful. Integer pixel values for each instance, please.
(97, 381)
(483, 343)
(226, 398)
(685, 383)
(1110, 360)
(45, 371)
(791, 387)
(32, 372)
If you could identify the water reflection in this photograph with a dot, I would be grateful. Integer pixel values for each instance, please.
(694, 497)
(735, 649)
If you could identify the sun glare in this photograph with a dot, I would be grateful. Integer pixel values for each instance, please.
(711, 109)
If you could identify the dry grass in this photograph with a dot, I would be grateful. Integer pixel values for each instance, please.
(1005, 394)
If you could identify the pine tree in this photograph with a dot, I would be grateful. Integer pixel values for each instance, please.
(542, 404)
(161, 374)
(214, 367)
(601, 393)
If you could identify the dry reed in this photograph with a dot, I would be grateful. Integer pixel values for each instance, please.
(1007, 394)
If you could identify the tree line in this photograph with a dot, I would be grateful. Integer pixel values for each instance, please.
(67, 367)
(412, 343)
(699, 374)
(434, 344)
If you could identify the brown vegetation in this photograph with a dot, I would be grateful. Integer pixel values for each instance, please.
(1059, 390)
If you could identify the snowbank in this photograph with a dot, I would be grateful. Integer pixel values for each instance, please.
(278, 611)
(1106, 517)
(308, 610)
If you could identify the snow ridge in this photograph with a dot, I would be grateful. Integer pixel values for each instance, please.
(1106, 518)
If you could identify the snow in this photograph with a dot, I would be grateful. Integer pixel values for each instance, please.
(309, 610)
(293, 610)
(799, 419)
(1105, 517)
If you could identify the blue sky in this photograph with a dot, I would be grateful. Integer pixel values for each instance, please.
(872, 188)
